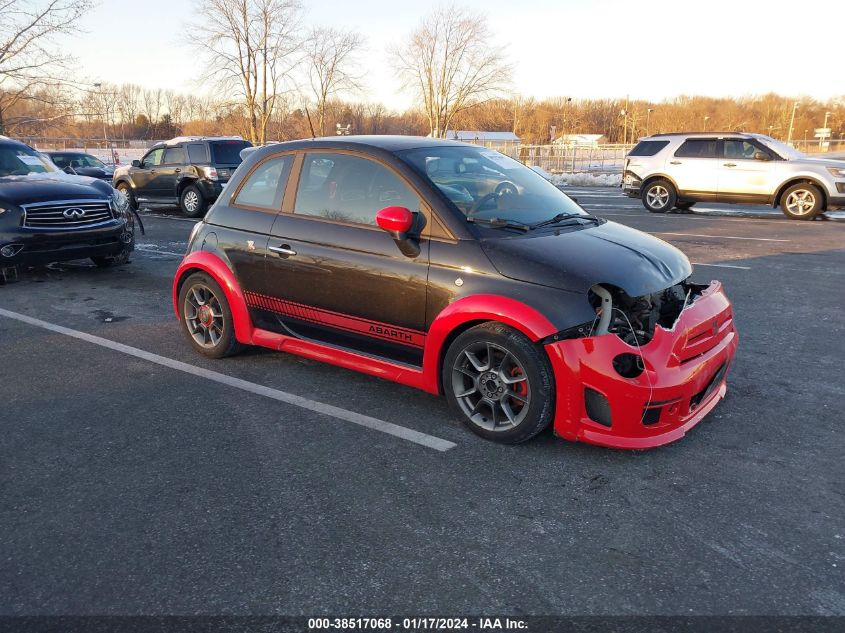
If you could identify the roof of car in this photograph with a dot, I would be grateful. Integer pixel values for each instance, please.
(715, 133)
(384, 142)
(51, 152)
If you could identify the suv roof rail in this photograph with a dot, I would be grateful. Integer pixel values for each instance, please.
(713, 133)
(188, 139)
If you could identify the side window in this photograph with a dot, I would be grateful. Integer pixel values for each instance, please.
(60, 161)
(350, 189)
(648, 148)
(741, 149)
(174, 155)
(265, 186)
(697, 148)
(153, 158)
(197, 153)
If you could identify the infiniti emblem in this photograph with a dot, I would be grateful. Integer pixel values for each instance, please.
(74, 213)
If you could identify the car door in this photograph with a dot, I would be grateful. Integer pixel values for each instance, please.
(332, 274)
(170, 170)
(694, 167)
(242, 223)
(747, 170)
(144, 177)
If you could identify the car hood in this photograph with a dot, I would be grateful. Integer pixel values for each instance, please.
(577, 259)
(822, 162)
(51, 186)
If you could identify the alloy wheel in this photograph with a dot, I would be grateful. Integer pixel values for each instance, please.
(800, 202)
(491, 386)
(191, 201)
(657, 196)
(203, 315)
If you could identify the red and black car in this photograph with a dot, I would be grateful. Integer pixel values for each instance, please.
(520, 308)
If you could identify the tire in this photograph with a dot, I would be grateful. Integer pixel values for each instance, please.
(192, 202)
(684, 206)
(659, 196)
(508, 400)
(801, 201)
(115, 260)
(130, 195)
(211, 333)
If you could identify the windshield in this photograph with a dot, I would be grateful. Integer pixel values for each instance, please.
(786, 151)
(486, 185)
(19, 160)
(227, 152)
(77, 160)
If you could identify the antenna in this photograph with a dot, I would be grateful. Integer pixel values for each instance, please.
(311, 125)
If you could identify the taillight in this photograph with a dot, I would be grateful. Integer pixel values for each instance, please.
(210, 173)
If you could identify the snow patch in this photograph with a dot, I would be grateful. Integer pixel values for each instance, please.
(587, 180)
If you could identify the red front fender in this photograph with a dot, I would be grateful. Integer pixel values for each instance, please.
(223, 275)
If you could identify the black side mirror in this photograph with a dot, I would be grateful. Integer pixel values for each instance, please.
(136, 163)
(761, 156)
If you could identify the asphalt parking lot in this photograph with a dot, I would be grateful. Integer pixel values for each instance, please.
(136, 485)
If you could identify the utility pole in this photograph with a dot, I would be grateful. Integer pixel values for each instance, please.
(822, 136)
(707, 118)
(791, 123)
(647, 119)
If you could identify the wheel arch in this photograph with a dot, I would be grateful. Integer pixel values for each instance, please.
(183, 184)
(808, 180)
(126, 180)
(217, 269)
(653, 177)
(469, 312)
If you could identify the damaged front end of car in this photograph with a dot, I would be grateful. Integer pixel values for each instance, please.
(647, 368)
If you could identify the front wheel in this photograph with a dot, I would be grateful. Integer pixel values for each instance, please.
(206, 317)
(130, 196)
(499, 383)
(659, 196)
(801, 202)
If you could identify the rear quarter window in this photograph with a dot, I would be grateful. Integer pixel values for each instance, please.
(197, 153)
(264, 188)
(648, 148)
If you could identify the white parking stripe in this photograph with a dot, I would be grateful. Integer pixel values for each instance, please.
(149, 249)
(395, 430)
(722, 266)
(723, 237)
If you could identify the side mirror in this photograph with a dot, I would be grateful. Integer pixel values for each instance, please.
(396, 220)
(136, 163)
(761, 156)
(399, 222)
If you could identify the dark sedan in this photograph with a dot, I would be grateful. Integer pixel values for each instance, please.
(82, 164)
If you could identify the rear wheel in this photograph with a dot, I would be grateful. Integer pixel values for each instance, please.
(802, 201)
(206, 317)
(499, 383)
(659, 196)
(192, 202)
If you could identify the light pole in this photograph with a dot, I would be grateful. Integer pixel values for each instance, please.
(647, 119)
(822, 136)
(706, 119)
(624, 115)
(566, 102)
(791, 122)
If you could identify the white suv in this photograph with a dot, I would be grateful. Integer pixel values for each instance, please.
(677, 170)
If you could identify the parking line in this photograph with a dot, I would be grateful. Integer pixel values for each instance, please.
(147, 249)
(723, 237)
(423, 439)
(722, 266)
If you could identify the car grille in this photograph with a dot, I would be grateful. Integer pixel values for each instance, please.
(66, 214)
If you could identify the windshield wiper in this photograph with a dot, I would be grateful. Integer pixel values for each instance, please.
(560, 217)
(501, 223)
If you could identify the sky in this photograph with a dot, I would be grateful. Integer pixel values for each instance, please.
(650, 50)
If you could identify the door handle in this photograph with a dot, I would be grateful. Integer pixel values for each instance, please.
(177, 170)
(730, 164)
(674, 162)
(284, 249)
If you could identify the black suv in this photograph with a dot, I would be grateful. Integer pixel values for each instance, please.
(47, 215)
(188, 171)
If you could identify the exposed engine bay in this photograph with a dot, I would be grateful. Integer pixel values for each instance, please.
(633, 319)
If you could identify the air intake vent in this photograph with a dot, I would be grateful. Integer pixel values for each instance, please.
(598, 408)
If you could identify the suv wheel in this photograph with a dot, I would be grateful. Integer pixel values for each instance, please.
(127, 191)
(206, 317)
(499, 383)
(192, 202)
(801, 202)
(659, 196)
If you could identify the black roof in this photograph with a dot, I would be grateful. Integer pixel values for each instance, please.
(389, 143)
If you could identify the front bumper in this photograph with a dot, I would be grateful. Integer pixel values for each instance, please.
(44, 247)
(684, 378)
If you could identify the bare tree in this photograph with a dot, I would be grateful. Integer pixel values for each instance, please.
(250, 46)
(28, 58)
(330, 58)
(449, 62)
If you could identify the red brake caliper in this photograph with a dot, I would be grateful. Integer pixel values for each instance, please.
(520, 388)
